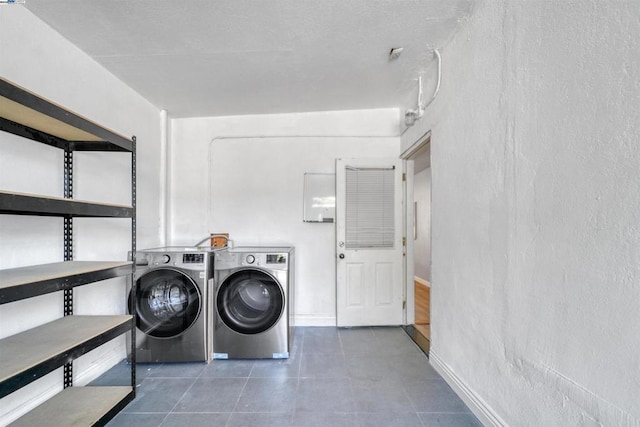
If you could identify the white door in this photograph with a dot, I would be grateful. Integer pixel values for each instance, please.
(369, 238)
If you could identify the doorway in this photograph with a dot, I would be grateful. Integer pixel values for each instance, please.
(419, 261)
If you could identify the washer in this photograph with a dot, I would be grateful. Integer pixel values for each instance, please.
(171, 304)
(253, 303)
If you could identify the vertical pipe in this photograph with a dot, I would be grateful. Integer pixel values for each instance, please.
(164, 179)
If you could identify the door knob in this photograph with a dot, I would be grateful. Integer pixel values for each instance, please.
(341, 256)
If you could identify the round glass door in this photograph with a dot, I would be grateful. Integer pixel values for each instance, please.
(168, 303)
(250, 301)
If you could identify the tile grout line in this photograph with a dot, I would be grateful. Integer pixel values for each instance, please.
(183, 395)
(295, 400)
(238, 400)
(178, 401)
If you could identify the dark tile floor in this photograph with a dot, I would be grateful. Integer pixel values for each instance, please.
(334, 377)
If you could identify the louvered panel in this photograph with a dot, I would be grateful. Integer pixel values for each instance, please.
(369, 208)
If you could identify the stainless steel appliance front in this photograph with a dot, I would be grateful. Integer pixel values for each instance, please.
(171, 304)
(253, 302)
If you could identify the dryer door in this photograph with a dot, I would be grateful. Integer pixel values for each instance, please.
(250, 301)
(168, 303)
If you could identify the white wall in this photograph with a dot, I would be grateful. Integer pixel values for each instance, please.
(536, 212)
(244, 175)
(39, 59)
(422, 243)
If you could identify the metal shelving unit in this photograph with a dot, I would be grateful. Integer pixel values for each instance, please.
(31, 354)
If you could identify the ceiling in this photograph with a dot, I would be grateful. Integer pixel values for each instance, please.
(235, 57)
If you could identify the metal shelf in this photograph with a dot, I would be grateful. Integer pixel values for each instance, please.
(29, 204)
(98, 405)
(29, 355)
(26, 282)
(31, 116)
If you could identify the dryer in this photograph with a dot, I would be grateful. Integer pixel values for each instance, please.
(171, 304)
(252, 305)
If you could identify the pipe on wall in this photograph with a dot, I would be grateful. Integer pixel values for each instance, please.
(164, 178)
(411, 116)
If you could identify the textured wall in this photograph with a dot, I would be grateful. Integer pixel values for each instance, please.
(536, 211)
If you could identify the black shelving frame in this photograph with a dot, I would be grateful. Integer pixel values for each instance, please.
(27, 376)
(101, 139)
(25, 204)
(68, 251)
(62, 282)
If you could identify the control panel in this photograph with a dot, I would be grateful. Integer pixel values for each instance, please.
(192, 258)
(264, 259)
(276, 258)
(250, 256)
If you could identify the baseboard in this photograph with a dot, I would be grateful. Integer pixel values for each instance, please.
(313, 320)
(99, 367)
(28, 404)
(478, 406)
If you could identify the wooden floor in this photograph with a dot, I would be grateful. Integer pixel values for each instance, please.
(423, 315)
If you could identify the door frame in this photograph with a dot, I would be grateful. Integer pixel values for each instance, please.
(408, 154)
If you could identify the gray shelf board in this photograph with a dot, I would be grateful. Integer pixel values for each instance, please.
(28, 355)
(76, 406)
(27, 282)
(30, 204)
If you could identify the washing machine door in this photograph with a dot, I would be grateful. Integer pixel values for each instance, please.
(168, 302)
(250, 301)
